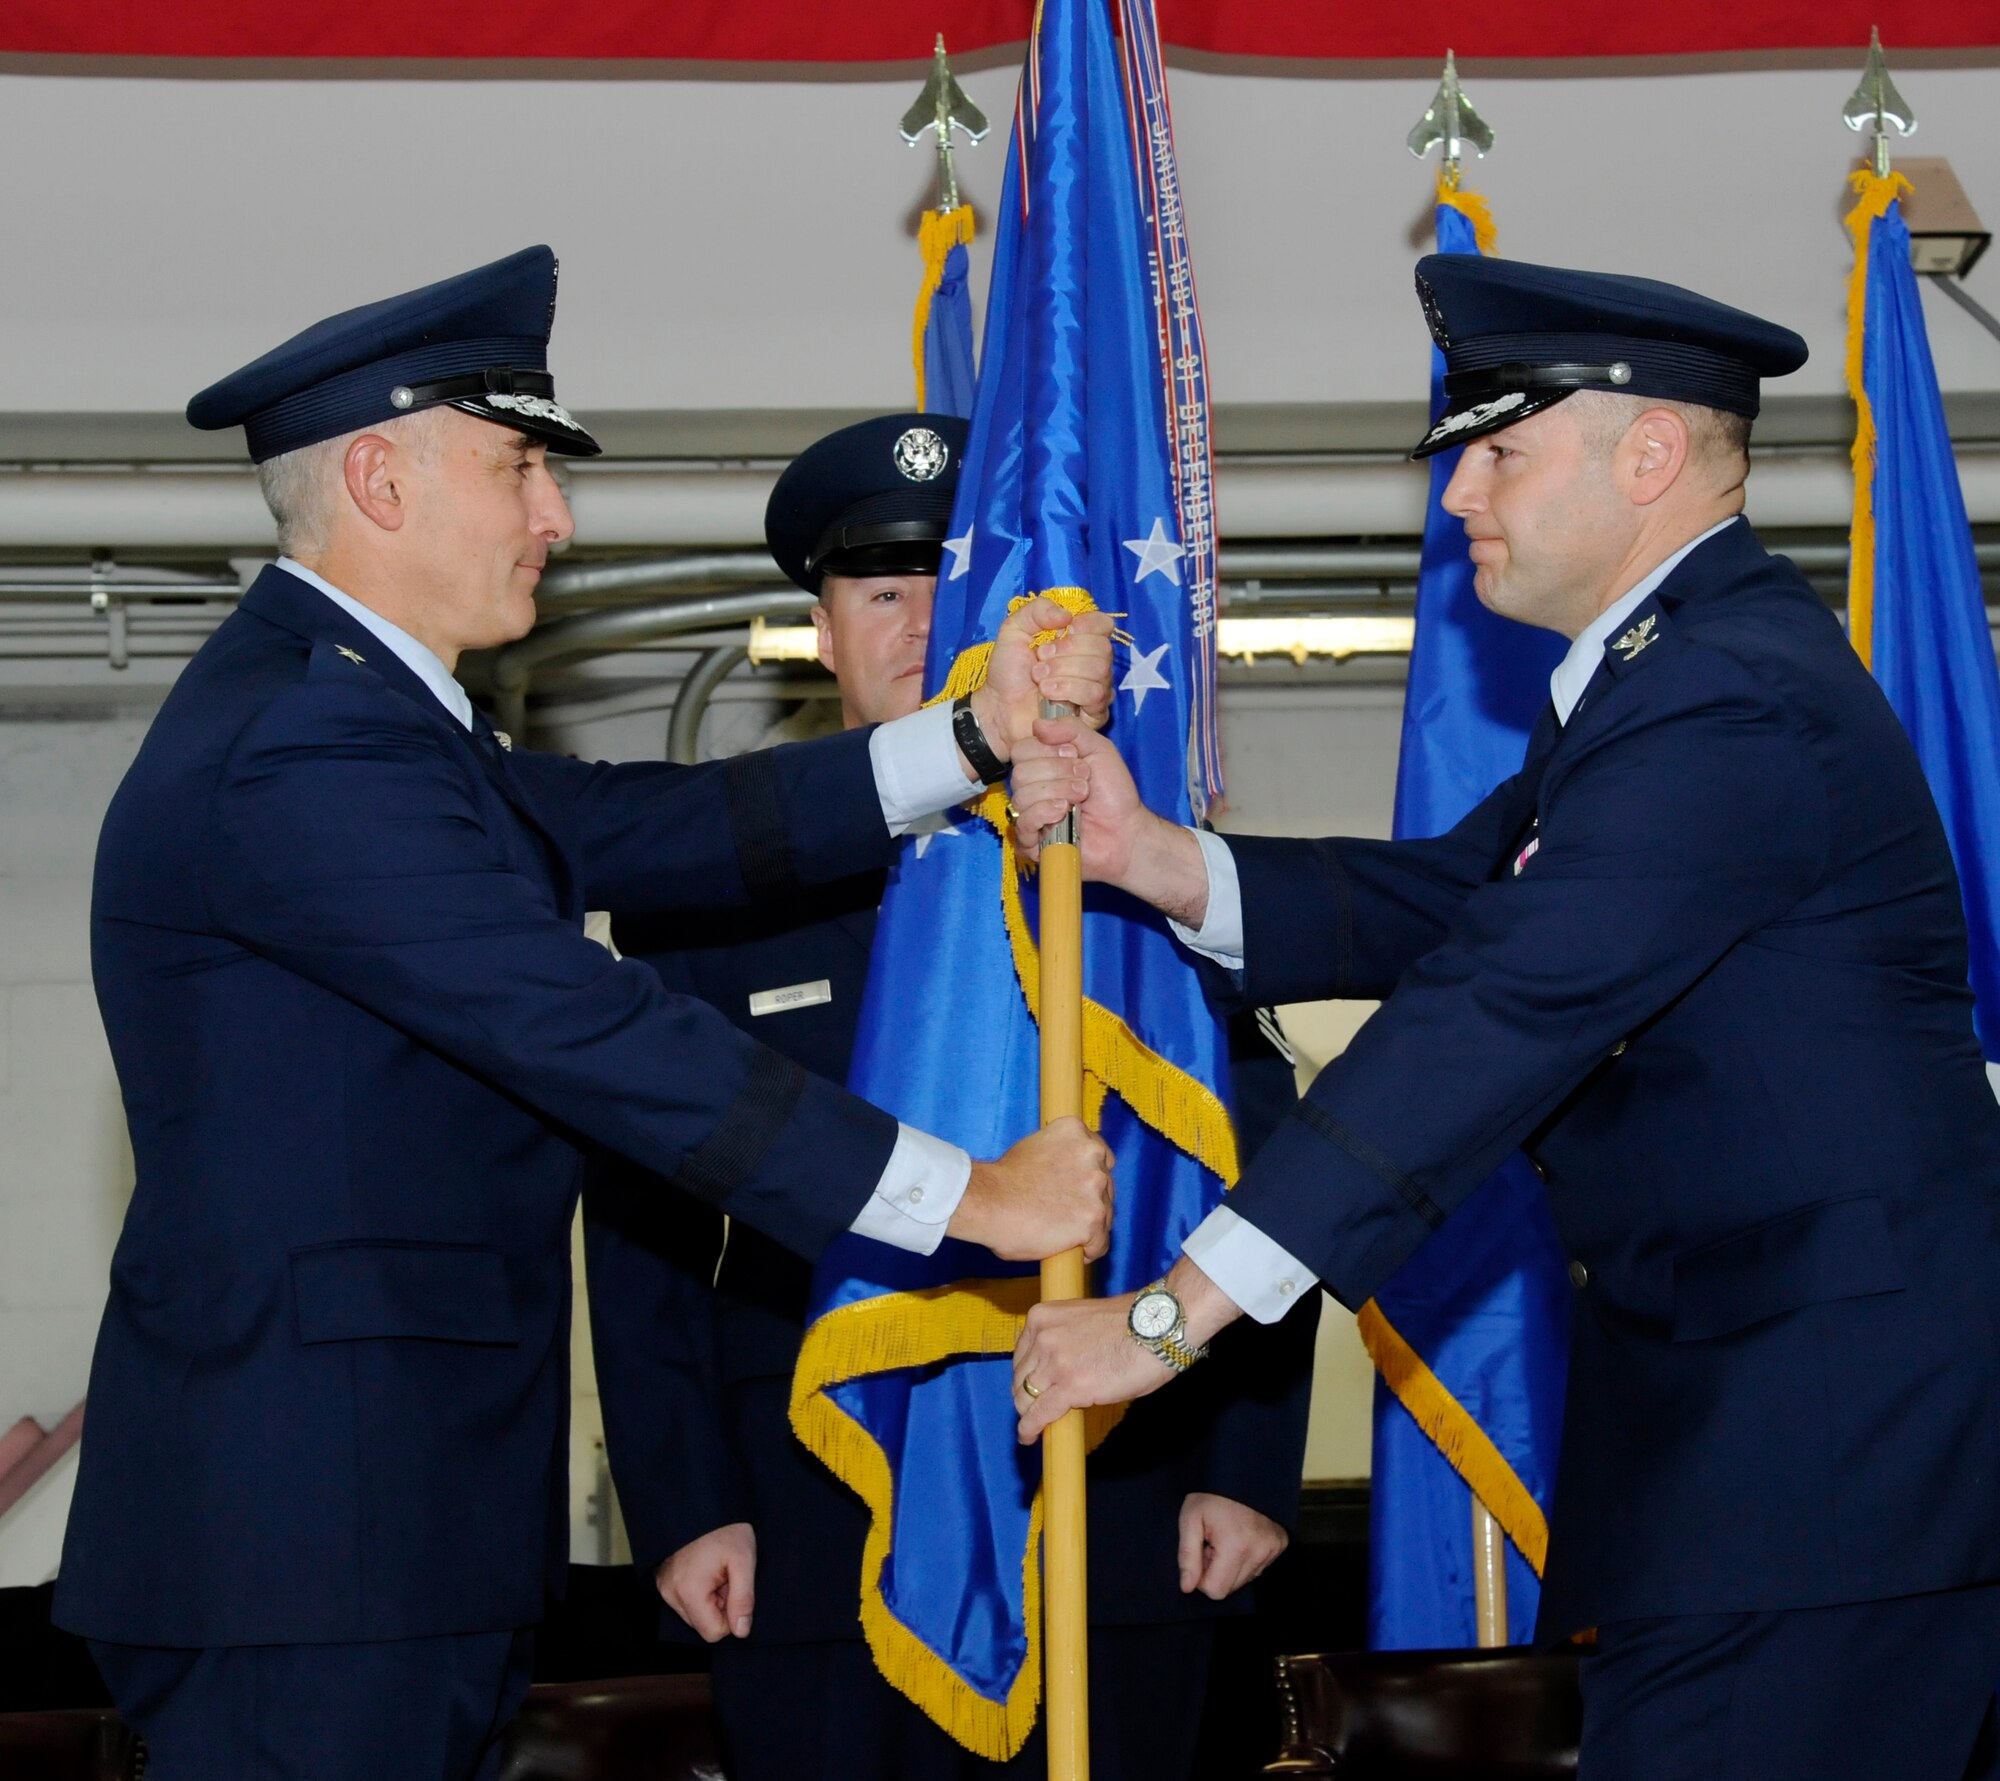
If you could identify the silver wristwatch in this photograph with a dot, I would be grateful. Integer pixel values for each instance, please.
(1159, 1325)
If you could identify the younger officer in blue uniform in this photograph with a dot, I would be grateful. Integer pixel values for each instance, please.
(338, 944)
(1705, 958)
(750, 1540)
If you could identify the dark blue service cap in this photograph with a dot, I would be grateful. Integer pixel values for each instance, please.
(1518, 338)
(872, 499)
(479, 341)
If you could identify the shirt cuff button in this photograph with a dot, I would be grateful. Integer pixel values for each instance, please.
(916, 1196)
(1286, 1288)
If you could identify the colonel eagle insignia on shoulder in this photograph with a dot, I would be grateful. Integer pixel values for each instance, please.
(1636, 639)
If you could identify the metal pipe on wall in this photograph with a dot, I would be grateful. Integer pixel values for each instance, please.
(711, 669)
(621, 627)
(633, 505)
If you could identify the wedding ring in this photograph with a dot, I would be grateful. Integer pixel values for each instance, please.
(1031, 1388)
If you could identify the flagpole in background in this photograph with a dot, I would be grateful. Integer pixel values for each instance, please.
(1915, 612)
(1450, 123)
(941, 337)
(1065, 1604)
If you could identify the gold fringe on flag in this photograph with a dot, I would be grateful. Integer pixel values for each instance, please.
(1465, 1445)
(937, 234)
(1874, 193)
(970, 1318)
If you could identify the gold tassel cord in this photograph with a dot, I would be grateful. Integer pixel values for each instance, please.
(1874, 193)
(937, 234)
(1465, 1445)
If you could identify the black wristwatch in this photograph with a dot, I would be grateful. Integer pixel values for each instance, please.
(972, 743)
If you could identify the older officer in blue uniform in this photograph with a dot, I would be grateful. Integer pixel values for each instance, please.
(696, 1327)
(362, 1040)
(1704, 958)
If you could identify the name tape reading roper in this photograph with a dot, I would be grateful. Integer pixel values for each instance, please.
(793, 995)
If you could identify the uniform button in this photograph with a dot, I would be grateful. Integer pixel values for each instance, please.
(1579, 1276)
(1618, 1050)
(1541, 1172)
(916, 1196)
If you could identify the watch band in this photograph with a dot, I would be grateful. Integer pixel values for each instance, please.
(1173, 1347)
(972, 743)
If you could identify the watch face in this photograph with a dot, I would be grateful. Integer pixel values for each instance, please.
(1154, 1315)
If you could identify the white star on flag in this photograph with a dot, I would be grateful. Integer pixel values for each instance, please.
(1143, 677)
(926, 836)
(1157, 554)
(961, 553)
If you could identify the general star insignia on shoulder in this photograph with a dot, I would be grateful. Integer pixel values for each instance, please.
(1636, 639)
(353, 655)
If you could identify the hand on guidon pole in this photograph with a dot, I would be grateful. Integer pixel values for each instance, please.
(1065, 766)
(1077, 1352)
(1049, 1193)
(1225, 1544)
(711, 1583)
(1072, 669)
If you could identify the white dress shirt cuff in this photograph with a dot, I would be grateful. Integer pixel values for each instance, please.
(917, 767)
(1220, 936)
(919, 1191)
(1263, 1278)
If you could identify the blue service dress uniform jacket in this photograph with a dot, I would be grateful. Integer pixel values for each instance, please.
(695, 1337)
(1705, 959)
(363, 1044)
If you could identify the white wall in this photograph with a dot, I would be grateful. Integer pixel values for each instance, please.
(747, 243)
(1319, 761)
(65, 1165)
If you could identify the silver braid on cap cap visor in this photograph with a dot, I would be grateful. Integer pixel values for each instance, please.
(538, 407)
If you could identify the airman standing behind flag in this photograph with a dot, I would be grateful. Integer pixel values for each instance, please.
(751, 1542)
(1704, 958)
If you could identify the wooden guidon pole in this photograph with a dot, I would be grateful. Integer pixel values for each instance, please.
(1489, 1576)
(1065, 1606)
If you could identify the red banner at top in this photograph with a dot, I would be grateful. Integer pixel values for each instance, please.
(903, 30)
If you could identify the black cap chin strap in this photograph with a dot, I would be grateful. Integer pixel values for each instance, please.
(837, 540)
(495, 381)
(1495, 380)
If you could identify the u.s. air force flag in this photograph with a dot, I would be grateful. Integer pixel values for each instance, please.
(1915, 609)
(1471, 1335)
(1086, 478)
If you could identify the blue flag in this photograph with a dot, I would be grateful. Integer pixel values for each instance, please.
(943, 329)
(1085, 478)
(1471, 1335)
(1915, 609)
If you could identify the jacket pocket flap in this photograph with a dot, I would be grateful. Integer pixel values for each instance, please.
(1839, 1249)
(349, 1292)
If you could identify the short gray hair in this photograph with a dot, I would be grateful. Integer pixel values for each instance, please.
(1717, 439)
(301, 487)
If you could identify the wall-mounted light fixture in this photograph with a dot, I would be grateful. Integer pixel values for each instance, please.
(1946, 235)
